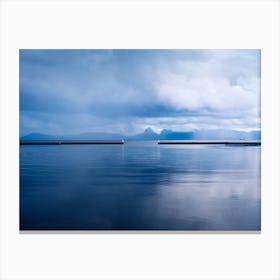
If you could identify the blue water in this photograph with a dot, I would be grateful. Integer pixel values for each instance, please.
(140, 186)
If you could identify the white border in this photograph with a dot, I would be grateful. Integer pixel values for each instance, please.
(146, 24)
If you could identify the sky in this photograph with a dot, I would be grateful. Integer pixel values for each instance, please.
(64, 92)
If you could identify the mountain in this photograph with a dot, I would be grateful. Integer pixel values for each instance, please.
(175, 135)
(95, 136)
(150, 134)
(221, 134)
(38, 136)
(81, 136)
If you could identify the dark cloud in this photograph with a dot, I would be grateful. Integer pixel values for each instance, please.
(126, 90)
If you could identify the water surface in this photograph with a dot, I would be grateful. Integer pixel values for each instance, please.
(140, 186)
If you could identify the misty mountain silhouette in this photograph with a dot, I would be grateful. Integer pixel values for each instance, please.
(150, 134)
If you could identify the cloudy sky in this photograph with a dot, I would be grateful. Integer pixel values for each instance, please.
(126, 91)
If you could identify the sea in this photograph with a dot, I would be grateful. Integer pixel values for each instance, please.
(140, 186)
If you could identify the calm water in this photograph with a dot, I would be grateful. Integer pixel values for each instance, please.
(140, 186)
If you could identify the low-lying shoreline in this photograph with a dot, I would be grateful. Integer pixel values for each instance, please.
(166, 142)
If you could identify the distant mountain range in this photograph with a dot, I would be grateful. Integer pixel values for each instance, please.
(150, 134)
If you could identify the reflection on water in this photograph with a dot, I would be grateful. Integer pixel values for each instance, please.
(140, 186)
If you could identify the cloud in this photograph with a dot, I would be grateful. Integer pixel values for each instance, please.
(66, 91)
(211, 86)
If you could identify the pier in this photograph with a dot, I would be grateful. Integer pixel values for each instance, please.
(214, 142)
(70, 142)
